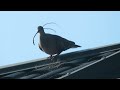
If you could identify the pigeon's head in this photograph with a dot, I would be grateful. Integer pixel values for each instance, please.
(40, 30)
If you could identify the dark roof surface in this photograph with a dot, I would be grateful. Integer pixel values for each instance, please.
(85, 64)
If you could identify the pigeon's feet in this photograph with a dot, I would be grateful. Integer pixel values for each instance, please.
(50, 57)
(55, 58)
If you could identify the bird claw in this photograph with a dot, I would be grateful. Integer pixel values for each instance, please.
(55, 58)
(51, 58)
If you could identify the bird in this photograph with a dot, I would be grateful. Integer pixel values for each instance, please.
(53, 44)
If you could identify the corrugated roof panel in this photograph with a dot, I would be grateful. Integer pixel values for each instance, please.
(67, 64)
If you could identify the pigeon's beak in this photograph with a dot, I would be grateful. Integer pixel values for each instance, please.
(34, 37)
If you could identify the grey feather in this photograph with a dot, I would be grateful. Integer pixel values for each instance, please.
(54, 44)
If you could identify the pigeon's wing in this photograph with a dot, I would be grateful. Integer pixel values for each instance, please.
(63, 44)
(54, 44)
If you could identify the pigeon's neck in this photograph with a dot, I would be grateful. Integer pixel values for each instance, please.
(42, 33)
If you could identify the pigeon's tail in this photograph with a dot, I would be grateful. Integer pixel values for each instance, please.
(75, 46)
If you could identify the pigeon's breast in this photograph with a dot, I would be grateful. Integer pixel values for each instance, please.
(48, 44)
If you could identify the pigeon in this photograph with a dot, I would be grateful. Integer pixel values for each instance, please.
(53, 44)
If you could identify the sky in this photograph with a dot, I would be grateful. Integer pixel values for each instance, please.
(88, 29)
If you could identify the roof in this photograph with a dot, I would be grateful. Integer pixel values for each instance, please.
(94, 63)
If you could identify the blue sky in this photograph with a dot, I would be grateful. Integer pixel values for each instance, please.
(86, 28)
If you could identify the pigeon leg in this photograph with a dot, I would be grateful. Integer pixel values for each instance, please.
(50, 57)
(56, 57)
